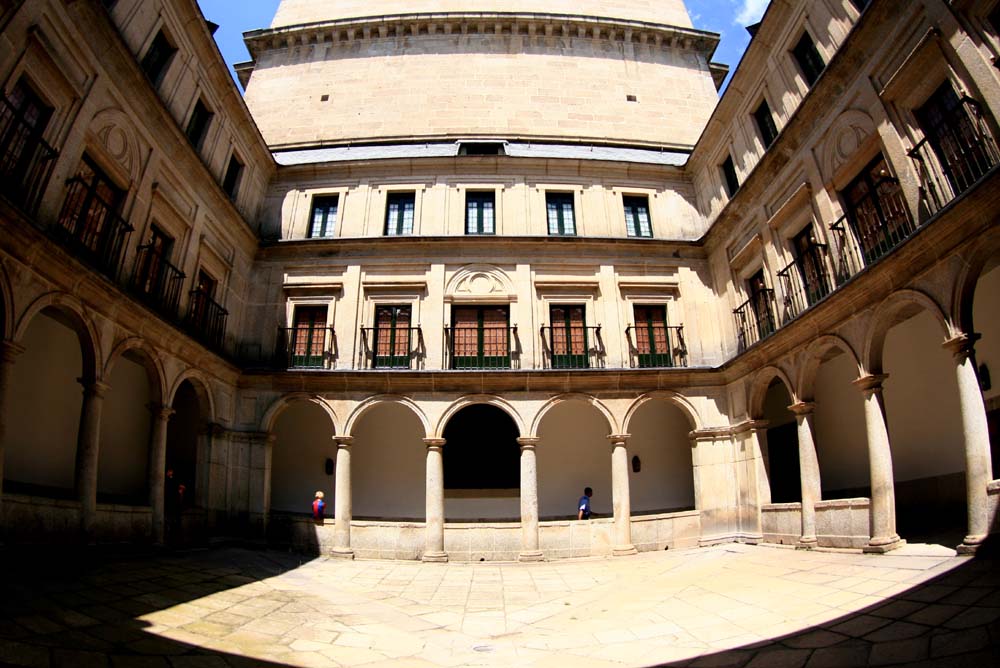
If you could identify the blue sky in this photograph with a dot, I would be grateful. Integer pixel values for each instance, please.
(728, 17)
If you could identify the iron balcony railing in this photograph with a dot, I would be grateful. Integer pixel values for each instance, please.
(755, 319)
(26, 160)
(92, 228)
(656, 346)
(952, 162)
(482, 347)
(847, 261)
(805, 281)
(306, 347)
(574, 347)
(391, 347)
(156, 281)
(206, 319)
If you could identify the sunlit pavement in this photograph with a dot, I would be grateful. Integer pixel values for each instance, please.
(731, 605)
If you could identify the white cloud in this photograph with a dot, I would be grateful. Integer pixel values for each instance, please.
(750, 12)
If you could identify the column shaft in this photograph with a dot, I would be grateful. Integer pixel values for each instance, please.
(158, 470)
(434, 502)
(883, 495)
(808, 471)
(88, 447)
(529, 501)
(620, 496)
(343, 507)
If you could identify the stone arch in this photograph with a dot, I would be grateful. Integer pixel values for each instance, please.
(575, 396)
(472, 399)
(678, 400)
(758, 389)
(371, 402)
(895, 308)
(147, 358)
(966, 282)
(274, 411)
(475, 281)
(202, 388)
(114, 135)
(813, 358)
(74, 315)
(6, 306)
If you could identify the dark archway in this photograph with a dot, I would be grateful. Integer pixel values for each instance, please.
(481, 461)
(782, 445)
(187, 436)
(986, 323)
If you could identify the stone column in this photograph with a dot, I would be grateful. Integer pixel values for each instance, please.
(8, 353)
(88, 446)
(808, 471)
(883, 501)
(759, 430)
(620, 496)
(975, 431)
(158, 469)
(529, 500)
(343, 507)
(434, 500)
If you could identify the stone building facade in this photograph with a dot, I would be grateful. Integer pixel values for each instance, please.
(452, 262)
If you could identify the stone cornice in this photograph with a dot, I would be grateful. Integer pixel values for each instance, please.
(480, 23)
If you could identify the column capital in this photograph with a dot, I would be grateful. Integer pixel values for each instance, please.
(434, 443)
(160, 411)
(962, 345)
(870, 384)
(95, 388)
(618, 439)
(343, 441)
(803, 408)
(9, 351)
(528, 442)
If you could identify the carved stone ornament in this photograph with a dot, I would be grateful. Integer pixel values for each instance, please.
(480, 281)
(850, 132)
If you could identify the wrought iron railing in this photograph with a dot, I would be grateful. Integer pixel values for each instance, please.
(306, 347)
(574, 347)
(26, 160)
(755, 319)
(656, 346)
(482, 347)
(804, 281)
(391, 347)
(206, 319)
(962, 153)
(156, 281)
(92, 228)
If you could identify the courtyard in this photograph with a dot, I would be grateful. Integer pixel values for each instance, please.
(728, 605)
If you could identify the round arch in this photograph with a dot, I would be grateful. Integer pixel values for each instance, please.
(895, 308)
(72, 310)
(965, 284)
(146, 357)
(471, 400)
(279, 405)
(758, 389)
(371, 402)
(201, 387)
(678, 400)
(574, 396)
(814, 357)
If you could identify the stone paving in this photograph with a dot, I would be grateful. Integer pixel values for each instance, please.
(730, 605)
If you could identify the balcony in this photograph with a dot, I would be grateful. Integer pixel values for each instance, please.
(157, 282)
(484, 347)
(92, 229)
(26, 160)
(391, 347)
(574, 347)
(306, 347)
(206, 319)
(755, 319)
(656, 346)
(963, 151)
(805, 281)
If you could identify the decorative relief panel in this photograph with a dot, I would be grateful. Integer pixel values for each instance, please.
(480, 282)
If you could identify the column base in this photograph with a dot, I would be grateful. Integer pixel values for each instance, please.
(806, 543)
(624, 550)
(970, 544)
(434, 557)
(342, 553)
(531, 555)
(883, 545)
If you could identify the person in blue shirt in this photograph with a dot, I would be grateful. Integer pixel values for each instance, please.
(583, 505)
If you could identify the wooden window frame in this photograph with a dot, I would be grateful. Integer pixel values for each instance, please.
(560, 200)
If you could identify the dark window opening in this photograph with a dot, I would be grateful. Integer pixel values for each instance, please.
(810, 260)
(761, 301)
(729, 175)
(559, 207)
(157, 58)
(480, 213)
(481, 450)
(994, 19)
(399, 209)
(808, 58)
(324, 216)
(765, 123)
(25, 158)
(860, 4)
(198, 124)
(90, 221)
(877, 210)
(392, 337)
(157, 280)
(234, 172)
(637, 216)
(568, 337)
(309, 337)
(652, 337)
(481, 148)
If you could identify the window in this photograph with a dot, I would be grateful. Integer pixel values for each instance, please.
(637, 216)
(392, 337)
(158, 58)
(324, 217)
(765, 123)
(206, 318)
(567, 342)
(860, 4)
(399, 209)
(876, 210)
(231, 183)
(808, 58)
(810, 260)
(480, 337)
(729, 176)
(90, 219)
(198, 124)
(155, 278)
(24, 155)
(761, 300)
(308, 337)
(481, 148)
(994, 19)
(560, 213)
(652, 337)
(479, 213)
